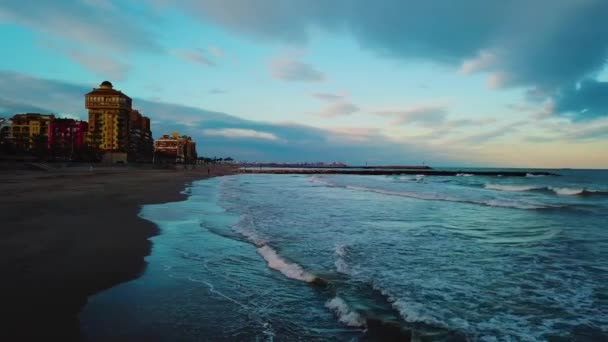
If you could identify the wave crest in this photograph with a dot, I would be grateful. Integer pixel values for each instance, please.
(290, 270)
(555, 190)
(344, 313)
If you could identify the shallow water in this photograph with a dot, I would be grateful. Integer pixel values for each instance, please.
(444, 258)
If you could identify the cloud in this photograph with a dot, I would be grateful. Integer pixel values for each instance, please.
(255, 140)
(585, 100)
(548, 45)
(103, 66)
(288, 68)
(91, 24)
(327, 97)
(215, 51)
(194, 56)
(480, 138)
(425, 115)
(338, 109)
(236, 133)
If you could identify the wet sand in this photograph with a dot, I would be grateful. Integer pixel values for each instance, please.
(65, 235)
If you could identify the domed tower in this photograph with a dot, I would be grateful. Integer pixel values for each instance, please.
(109, 111)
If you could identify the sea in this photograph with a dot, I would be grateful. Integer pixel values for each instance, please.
(261, 257)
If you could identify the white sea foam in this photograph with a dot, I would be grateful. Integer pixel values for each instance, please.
(340, 263)
(344, 313)
(555, 190)
(531, 175)
(249, 233)
(290, 270)
(567, 191)
(320, 181)
(464, 175)
(440, 197)
(501, 187)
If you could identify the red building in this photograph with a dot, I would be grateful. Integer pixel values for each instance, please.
(67, 136)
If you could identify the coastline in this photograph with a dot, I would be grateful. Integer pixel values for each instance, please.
(68, 234)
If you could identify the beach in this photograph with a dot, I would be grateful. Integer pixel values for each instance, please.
(69, 233)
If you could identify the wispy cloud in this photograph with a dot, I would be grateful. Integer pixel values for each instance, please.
(289, 68)
(237, 133)
(217, 91)
(483, 137)
(197, 56)
(327, 97)
(425, 115)
(338, 109)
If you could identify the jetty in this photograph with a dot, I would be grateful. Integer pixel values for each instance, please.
(376, 171)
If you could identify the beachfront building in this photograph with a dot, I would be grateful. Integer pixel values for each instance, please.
(31, 130)
(109, 115)
(5, 129)
(141, 146)
(67, 136)
(175, 149)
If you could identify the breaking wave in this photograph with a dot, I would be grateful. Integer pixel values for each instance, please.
(440, 197)
(344, 313)
(340, 263)
(554, 190)
(464, 175)
(290, 270)
(531, 175)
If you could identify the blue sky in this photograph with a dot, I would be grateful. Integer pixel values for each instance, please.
(513, 83)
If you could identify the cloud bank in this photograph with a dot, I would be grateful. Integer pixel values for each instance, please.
(545, 45)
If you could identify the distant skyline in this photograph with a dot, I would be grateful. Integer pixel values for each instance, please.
(451, 83)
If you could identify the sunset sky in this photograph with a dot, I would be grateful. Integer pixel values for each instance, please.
(467, 83)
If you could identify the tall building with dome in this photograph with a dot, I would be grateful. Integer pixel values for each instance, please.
(109, 113)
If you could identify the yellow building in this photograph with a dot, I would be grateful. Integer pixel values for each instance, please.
(26, 127)
(109, 111)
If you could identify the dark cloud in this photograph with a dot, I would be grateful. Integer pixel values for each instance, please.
(88, 23)
(222, 134)
(587, 100)
(545, 45)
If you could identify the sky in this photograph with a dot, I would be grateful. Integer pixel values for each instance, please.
(513, 83)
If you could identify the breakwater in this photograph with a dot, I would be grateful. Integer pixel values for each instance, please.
(380, 172)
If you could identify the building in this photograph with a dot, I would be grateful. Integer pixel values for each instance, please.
(141, 146)
(175, 149)
(109, 115)
(5, 129)
(31, 130)
(67, 136)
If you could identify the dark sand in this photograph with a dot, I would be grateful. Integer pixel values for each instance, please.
(65, 235)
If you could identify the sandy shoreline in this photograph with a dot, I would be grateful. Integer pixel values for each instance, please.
(65, 235)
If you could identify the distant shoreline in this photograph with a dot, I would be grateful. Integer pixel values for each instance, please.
(68, 234)
(391, 172)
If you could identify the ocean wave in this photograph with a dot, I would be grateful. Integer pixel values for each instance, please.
(516, 188)
(251, 235)
(340, 263)
(440, 197)
(531, 175)
(464, 175)
(556, 190)
(344, 313)
(288, 269)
